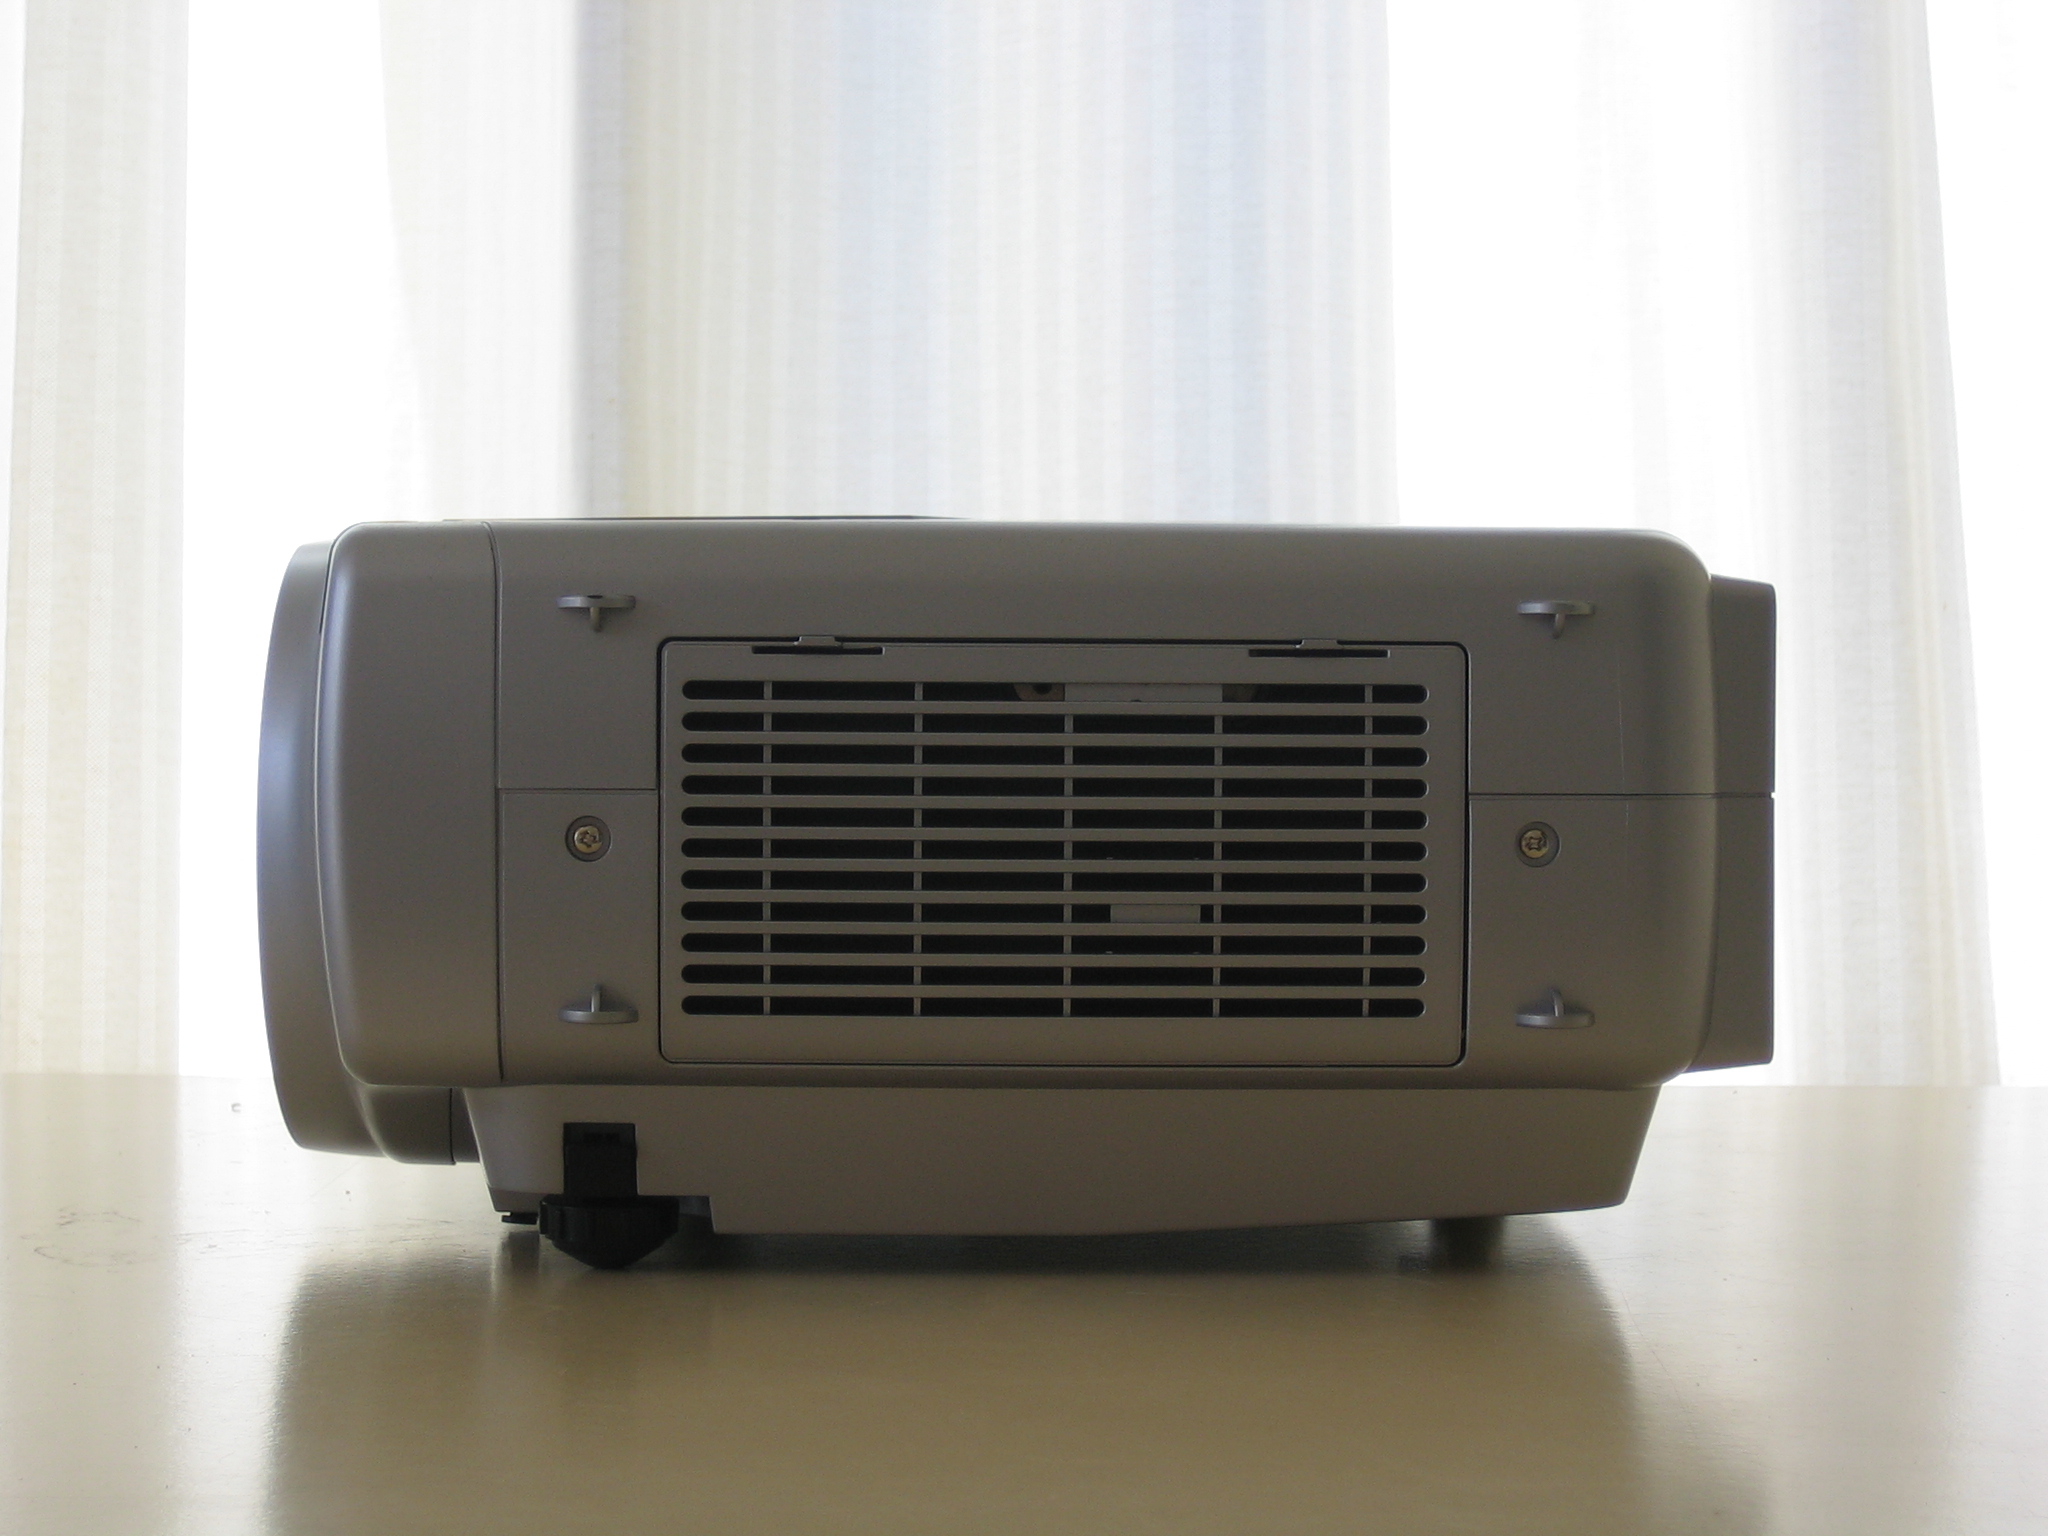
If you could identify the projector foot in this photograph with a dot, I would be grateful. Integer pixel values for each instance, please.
(608, 1233)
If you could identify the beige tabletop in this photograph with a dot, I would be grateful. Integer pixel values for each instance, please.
(1822, 1310)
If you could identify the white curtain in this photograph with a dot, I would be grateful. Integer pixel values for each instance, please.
(1616, 262)
(992, 258)
(1991, 119)
(89, 767)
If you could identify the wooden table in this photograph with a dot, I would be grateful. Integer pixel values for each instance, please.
(1822, 1310)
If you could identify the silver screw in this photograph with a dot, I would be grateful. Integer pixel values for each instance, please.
(589, 839)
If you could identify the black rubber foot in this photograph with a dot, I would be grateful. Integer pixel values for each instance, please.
(608, 1233)
(1467, 1242)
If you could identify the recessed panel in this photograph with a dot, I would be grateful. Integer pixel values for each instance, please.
(1062, 854)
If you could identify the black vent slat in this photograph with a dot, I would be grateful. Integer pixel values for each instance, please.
(991, 944)
(866, 754)
(843, 943)
(723, 816)
(721, 975)
(1300, 882)
(991, 816)
(793, 720)
(1288, 1008)
(1135, 819)
(992, 880)
(1146, 725)
(966, 693)
(993, 975)
(865, 784)
(844, 1007)
(1291, 944)
(724, 943)
(1039, 850)
(986, 786)
(723, 752)
(840, 975)
(1005, 724)
(807, 689)
(996, 757)
(1142, 944)
(842, 880)
(1141, 1008)
(844, 816)
(1142, 757)
(1088, 880)
(1293, 821)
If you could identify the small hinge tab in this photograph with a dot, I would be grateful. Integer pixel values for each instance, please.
(1557, 610)
(1555, 1013)
(599, 1011)
(596, 604)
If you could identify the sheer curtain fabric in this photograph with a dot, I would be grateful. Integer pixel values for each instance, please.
(89, 765)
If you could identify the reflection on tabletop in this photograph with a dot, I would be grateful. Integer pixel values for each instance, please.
(1184, 1382)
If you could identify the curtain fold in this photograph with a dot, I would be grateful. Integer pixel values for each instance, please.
(89, 751)
(1991, 120)
(1882, 904)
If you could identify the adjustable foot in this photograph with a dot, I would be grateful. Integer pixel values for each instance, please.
(601, 1217)
(608, 1233)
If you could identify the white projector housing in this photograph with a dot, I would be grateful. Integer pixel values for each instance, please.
(949, 877)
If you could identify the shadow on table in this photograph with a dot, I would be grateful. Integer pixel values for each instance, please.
(1468, 1377)
(1470, 1244)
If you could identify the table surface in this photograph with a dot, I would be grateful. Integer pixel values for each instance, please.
(1821, 1310)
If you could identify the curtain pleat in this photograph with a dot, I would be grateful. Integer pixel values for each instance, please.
(89, 760)
(1882, 903)
(1117, 259)
(994, 258)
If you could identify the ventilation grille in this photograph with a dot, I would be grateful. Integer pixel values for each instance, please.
(848, 849)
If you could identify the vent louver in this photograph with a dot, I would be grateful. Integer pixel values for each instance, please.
(1001, 852)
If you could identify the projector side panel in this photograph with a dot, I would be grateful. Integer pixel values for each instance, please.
(406, 811)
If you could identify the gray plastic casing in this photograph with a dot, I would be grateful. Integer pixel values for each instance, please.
(435, 717)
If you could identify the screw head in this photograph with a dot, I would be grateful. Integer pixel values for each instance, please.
(588, 838)
(1536, 844)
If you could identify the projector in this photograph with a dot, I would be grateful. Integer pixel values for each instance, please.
(921, 876)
